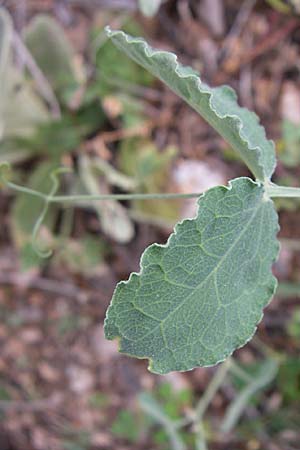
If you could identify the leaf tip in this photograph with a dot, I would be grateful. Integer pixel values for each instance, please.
(108, 31)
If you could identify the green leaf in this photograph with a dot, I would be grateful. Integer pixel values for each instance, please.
(218, 106)
(11, 152)
(20, 107)
(23, 108)
(26, 210)
(59, 136)
(125, 426)
(288, 380)
(201, 296)
(52, 51)
(54, 138)
(115, 71)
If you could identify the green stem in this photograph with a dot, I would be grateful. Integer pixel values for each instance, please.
(260, 380)
(210, 392)
(282, 191)
(212, 388)
(55, 186)
(239, 372)
(89, 198)
(26, 190)
(271, 189)
(200, 441)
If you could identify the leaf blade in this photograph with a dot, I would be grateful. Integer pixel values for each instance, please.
(218, 106)
(201, 296)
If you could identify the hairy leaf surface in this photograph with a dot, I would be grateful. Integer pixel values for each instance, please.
(201, 296)
(218, 106)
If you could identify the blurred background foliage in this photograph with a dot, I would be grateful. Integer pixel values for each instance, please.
(70, 98)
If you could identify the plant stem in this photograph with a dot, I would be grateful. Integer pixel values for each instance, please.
(89, 198)
(282, 191)
(261, 379)
(150, 406)
(200, 441)
(212, 388)
(271, 189)
(239, 372)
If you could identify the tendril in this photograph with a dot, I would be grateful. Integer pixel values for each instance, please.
(54, 176)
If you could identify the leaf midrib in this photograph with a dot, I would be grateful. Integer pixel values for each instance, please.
(204, 90)
(161, 322)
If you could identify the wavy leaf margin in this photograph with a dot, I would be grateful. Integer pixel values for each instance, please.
(218, 106)
(111, 325)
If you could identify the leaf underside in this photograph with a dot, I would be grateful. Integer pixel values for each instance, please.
(218, 106)
(201, 296)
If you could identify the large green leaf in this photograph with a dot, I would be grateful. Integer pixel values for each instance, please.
(201, 296)
(218, 106)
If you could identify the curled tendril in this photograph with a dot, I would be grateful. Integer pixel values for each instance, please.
(54, 176)
(34, 236)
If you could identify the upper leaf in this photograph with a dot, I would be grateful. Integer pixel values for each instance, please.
(218, 106)
(200, 296)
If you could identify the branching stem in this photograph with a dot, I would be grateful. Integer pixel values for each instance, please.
(272, 190)
(282, 191)
(213, 387)
(90, 198)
